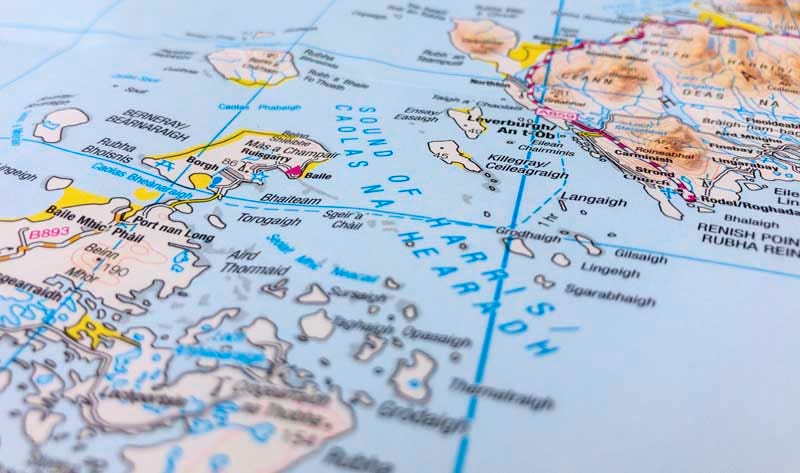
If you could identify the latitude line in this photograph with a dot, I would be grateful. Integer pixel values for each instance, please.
(68, 298)
(229, 199)
(128, 36)
(69, 47)
(396, 214)
(390, 213)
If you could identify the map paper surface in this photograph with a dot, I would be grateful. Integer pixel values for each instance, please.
(388, 236)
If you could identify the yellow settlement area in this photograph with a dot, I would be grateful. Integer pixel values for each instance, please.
(88, 327)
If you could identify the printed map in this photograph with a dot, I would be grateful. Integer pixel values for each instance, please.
(389, 236)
